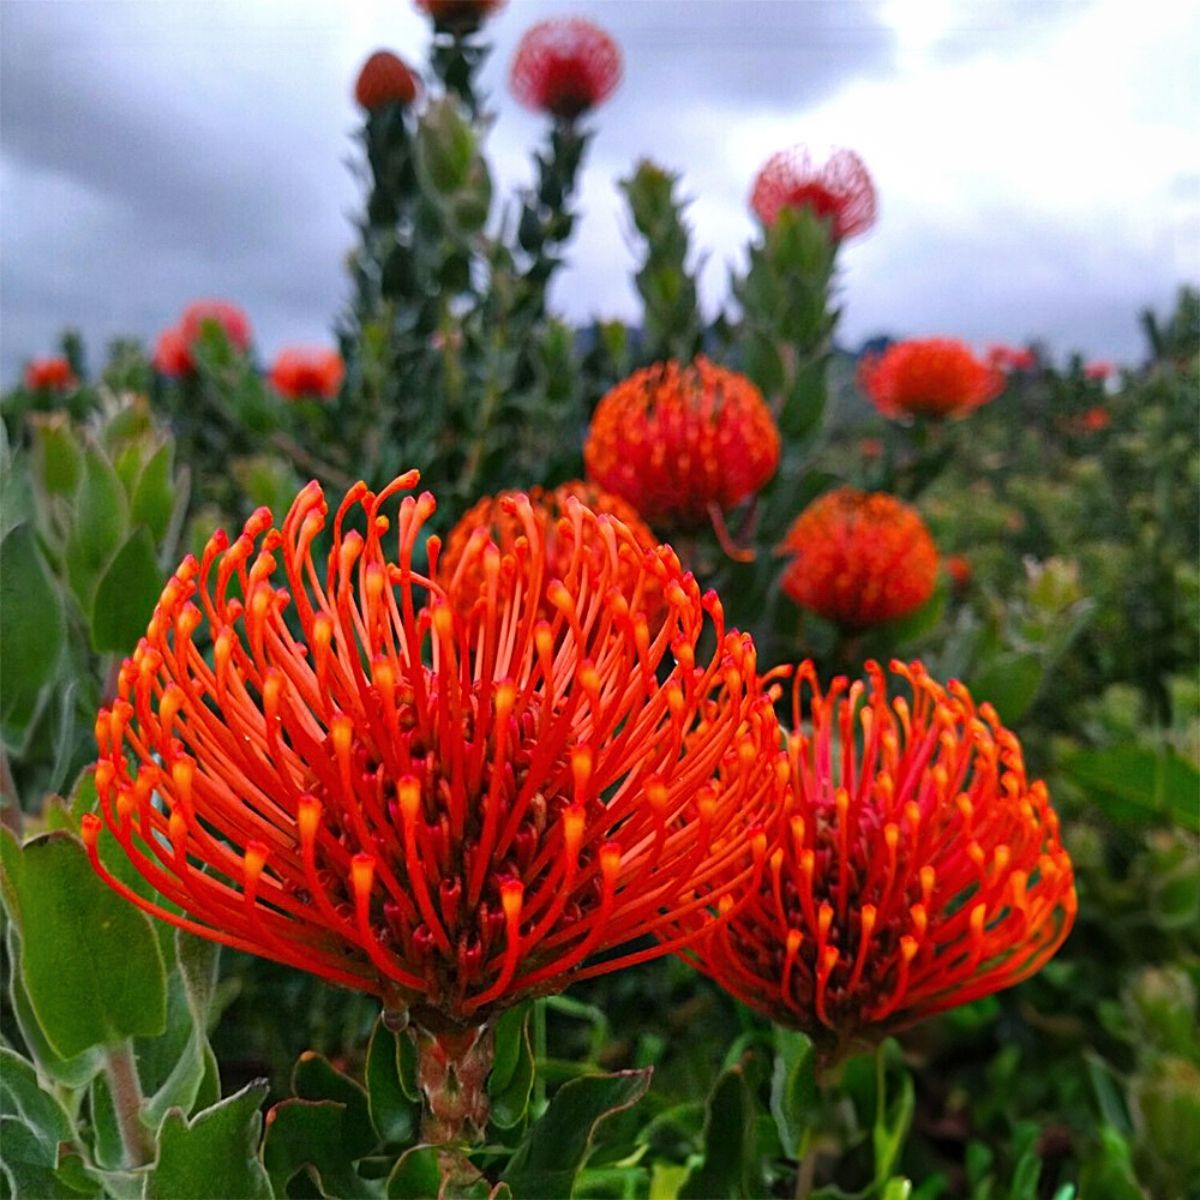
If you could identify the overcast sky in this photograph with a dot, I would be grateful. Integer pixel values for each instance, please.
(1038, 161)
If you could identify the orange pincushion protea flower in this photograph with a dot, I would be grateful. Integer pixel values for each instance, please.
(171, 354)
(859, 558)
(300, 372)
(500, 518)
(680, 442)
(385, 79)
(838, 190)
(918, 869)
(565, 66)
(931, 377)
(231, 319)
(49, 375)
(448, 811)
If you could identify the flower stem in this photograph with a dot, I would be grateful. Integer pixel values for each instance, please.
(120, 1068)
(453, 1064)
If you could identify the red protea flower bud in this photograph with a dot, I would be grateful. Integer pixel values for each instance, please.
(501, 519)
(918, 868)
(49, 375)
(301, 372)
(385, 79)
(448, 805)
(933, 377)
(459, 16)
(682, 442)
(231, 320)
(859, 558)
(171, 354)
(565, 67)
(839, 190)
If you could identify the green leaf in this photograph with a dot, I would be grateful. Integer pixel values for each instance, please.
(33, 625)
(509, 1035)
(558, 1145)
(215, 1155)
(510, 1101)
(126, 595)
(29, 1163)
(730, 1166)
(1153, 782)
(57, 457)
(94, 972)
(101, 513)
(1011, 681)
(893, 1115)
(416, 1176)
(153, 494)
(310, 1133)
(393, 1113)
(793, 1088)
(316, 1078)
(22, 1096)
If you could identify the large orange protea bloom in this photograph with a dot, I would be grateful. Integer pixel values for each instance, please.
(385, 79)
(859, 558)
(448, 805)
(918, 868)
(49, 375)
(502, 519)
(459, 16)
(682, 443)
(838, 190)
(933, 377)
(565, 66)
(301, 372)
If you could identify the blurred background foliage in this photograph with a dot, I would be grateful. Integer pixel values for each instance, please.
(1069, 507)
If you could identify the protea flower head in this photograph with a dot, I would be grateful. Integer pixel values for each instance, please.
(301, 372)
(1099, 370)
(448, 805)
(385, 79)
(859, 558)
(171, 354)
(49, 375)
(838, 189)
(231, 320)
(565, 67)
(918, 868)
(930, 377)
(681, 443)
(459, 16)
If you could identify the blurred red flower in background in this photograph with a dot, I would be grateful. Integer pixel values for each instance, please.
(1099, 370)
(917, 870)
(385, 79)
(171, 355)
(565, 67)
(173, 350)
(1010, 358)
(313, 372)
(958, 567)
(460, 16)
(1095, 419)
(859, 558)
(930, 377)
(49, 375)
(446, 804)
(680, 442)
(838, 190)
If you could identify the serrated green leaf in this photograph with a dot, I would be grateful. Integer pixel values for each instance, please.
(557, 1147)
(215, 1155)
(29, 1165)
(94, 973)
(311, 1133)
(126, 594)
(316, 1078)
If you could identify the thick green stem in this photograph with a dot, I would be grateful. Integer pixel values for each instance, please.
(120, 1068)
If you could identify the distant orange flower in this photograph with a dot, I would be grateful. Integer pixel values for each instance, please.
(445, 804)
(838, 190)
(565, 67)
(231, 320)
(171, 354)
(301, 372)
(49, 375)
(459, 16)
(958, 568)
(859, 558)
(678, 442)
(918, 868)
(1100, 370)
(1010, 358)
(933, 377)
(385, 79)
(1096, 419)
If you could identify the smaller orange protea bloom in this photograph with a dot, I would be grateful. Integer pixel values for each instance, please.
(171, 354)
(565, 66)
(918, 868)
(838, 190)
(500, 519)
(300, 372)
(385, 79)
(49, 375)
(201, 314)
(459, 16)
(859, 558)
(682, 442)
(958, 567)
(1096, 419)
(931, 377)
(450, 805)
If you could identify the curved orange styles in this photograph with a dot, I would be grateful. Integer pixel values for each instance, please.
(933, 377)
(384, 79)
(449, 811)
(838, 190)
(678, 441)
(918, 868)
(565, 67)
(859, 558)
